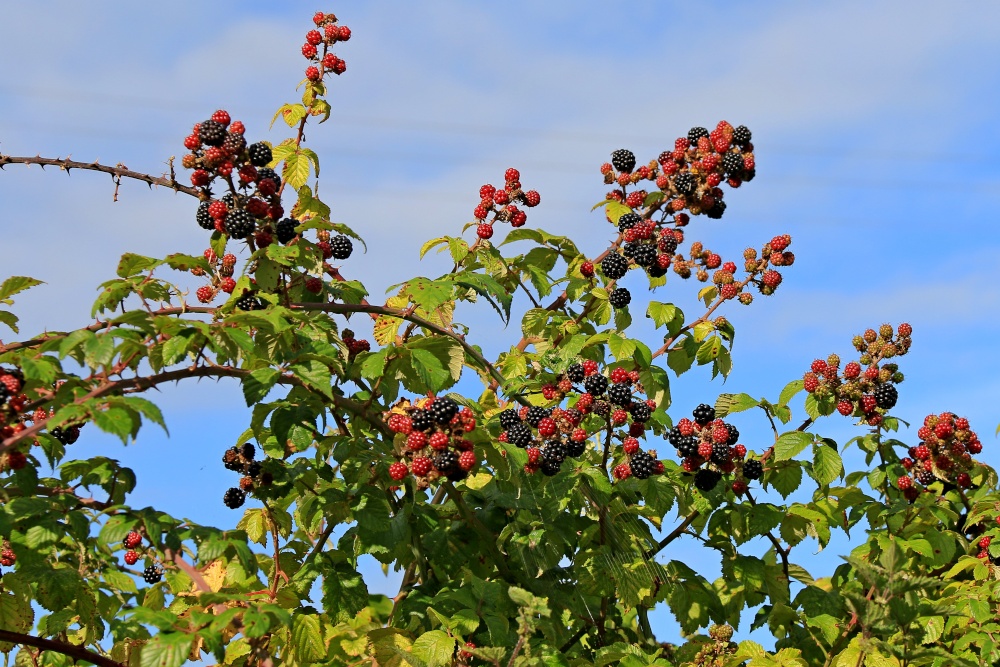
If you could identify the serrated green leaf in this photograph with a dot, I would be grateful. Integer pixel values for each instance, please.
(167, 649)
(791, 444)
(827, 464)
(307, 638)
(14, 285)
(258, 384)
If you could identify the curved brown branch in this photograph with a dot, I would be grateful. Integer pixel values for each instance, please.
(677, 532)
(70, 650)
(117, 172)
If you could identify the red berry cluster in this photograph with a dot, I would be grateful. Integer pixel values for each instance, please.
(690, 175)
(318, 44)
(501, 204)
(945, 453)
(7, 555)
(431, 436)
(709, 448)
(354, 345)
(222, 276)
(865, 388)
(12, 416)
(133, 544)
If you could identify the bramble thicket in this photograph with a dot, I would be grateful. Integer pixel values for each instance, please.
(532, 519)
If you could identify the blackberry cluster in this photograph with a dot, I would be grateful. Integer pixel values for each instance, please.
(548, 435)
(944, 454)
(431, 440)
(709, 448)
(502, 204)
(689, 176)
(241, 460)
(865, 388)
(355, 346)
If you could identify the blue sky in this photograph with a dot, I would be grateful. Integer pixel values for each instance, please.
(874, 127)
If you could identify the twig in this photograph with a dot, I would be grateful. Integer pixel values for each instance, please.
(677, 532)
(117, 172)
(70, 650)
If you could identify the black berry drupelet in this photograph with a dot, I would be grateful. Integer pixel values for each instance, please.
(642, 464)
(733, 165)
(706, 479)
(620, 297)
(675, 437)
(234, 498)
(508, 418)
(623, 160)
(211, 133)
(259, 154)
(341, 247)
(152, 574)
(753, 469)
(614, 266)
(703, 414)
(741, 135)
(249, 302)
(446, 462)
(421, 420)
(596, 384)
(644, 255)
(205, 221)
(640, 412)
(684, 183)
(239, 224)
(536, 414)
(284, 230)
(575, 373)
(628, 221)
(442, 409)
(696, 133)
(519, 435)
(620, 393)
(886, 396)
(734, 435)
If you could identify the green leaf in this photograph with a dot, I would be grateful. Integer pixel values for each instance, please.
(258, 384)
(791, 444)
(10, 320)
(666, 314)
(785, 478)
(291, 114)
(728, 404)
(792, 388)
(307, 638)
(296, 169)
(827, 464)
(709, 350)
(620, 346)
(435, 648)
(14, 285)
(167, 649)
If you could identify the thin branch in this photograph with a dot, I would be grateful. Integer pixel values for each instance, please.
(574, 639)
(677, 532)
(71, 650)
(117, 172)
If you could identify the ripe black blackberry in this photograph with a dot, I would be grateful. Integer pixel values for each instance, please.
(753, 469)
(684, 182)
(614, 266)
(230, 200)
(734, 435)
(706, 479)
(668, 244)
(886, 396)
(252, 469)
(442, 409)
(284, 231)
(211, 132)
(644, 255)
(575, 449)
(575, 373)
(733, 165)
(519, 435)
(234, 143)
(620, 297)
(550, 468)
(749, 174)
(508, 418)
(4, 393)
(656, 271)
(446, 462)
(421, 420)
(248, 451)
(239, 224)
(249, 302)
(152, 574)
(720, 207)
(741, 135)
(553, 450)
(925, 477)
(232, 460)
(628, 221)
(66, 436)
(703, 414)
(205, 221)
(234, 498)
(675, 437)
(720, 453)
(623, 160)
(628, 249)
(688, 446)
(642, 464)
(456, 474)
(640, 412)
(696, 133)
(341, 247)
(259, 154)
(620, 393)
(266, 173)
(536, 414)
(596, 384)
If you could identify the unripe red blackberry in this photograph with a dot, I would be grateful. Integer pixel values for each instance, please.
(484, 230)
(963, 481)
(131, 557)
(132, 539)
(421, 466)
(205, 293)
(398, 470)
(587, 269)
